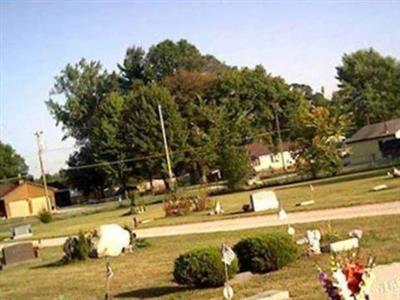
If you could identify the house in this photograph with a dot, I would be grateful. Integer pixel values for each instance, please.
(374, 142)
(263, 158)
(24, 199)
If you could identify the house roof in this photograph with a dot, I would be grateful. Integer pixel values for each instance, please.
(258, 149)
(6, 188)
(376, 130)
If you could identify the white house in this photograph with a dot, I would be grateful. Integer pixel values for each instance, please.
(263, 158)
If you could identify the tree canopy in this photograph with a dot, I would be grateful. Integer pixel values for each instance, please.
(369, 86)
(210, 110)
(11, 163)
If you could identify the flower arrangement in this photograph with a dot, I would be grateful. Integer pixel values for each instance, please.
(351, 278)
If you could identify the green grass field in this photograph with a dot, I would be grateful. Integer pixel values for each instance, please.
(327, 194)
(146, 273)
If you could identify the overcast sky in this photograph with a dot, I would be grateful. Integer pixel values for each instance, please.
(300, 41)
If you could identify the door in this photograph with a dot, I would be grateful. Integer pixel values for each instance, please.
(19, 208)
(38, 204)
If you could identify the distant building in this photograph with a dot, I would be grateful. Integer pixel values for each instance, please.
(24, 199)
(62, 194)
(375, 142)
(263, 158)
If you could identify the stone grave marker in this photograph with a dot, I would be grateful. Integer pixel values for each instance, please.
(271, 295)
(345, 245)
(263, 200)
(21, 232)
(18, 253)
(386, 284)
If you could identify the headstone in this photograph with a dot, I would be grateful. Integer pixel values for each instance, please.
(379, 187)
(345, 245)
(313, 237)
(21, 232)
(386, 283)
(271, 295)
(18, 253)
(264, 200)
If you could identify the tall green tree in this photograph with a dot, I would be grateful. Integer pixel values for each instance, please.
(11, 163)
(317, 133)
(108, 142)
(168, 57)
(142, 130)
(83, 175)
(133, 67)
(83, 86)
(369, 86)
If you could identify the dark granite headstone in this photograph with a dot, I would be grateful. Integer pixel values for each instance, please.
(19, 253)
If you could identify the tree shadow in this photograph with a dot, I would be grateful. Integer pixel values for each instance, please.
(154, 292)
(54, 264)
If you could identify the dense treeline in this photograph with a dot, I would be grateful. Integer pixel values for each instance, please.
(210, 110)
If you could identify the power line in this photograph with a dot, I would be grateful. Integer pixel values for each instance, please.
(158, 155)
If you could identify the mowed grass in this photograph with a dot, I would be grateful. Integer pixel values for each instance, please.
(147, 273)
(326, 194)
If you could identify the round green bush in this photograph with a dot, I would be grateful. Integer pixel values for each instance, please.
(203, 268)
(45, 216)
(265, 253)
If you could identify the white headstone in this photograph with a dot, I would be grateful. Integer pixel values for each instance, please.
(111, 240)
(386, 283)
(264, 200)
(345, 245)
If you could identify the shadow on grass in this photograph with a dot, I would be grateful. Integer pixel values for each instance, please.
(58, 263)
(154, 292)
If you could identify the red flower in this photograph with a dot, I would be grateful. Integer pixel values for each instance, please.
(353, 273)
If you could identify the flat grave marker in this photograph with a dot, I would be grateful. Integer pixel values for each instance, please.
(271, 295)
(344, 245)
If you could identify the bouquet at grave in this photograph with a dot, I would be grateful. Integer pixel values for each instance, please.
(350, 279)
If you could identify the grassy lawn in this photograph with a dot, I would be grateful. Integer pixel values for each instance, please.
(147, 274)
(326, 194)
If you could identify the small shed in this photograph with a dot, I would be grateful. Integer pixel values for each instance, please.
(24, 199)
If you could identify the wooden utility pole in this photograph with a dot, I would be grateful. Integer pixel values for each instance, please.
(39, 140)
(166, 146)
(278, 129)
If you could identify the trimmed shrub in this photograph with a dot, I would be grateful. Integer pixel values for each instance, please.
(265, 253)
(203, 268)
(45, 216)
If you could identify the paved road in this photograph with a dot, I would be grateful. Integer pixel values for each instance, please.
(389, 208)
